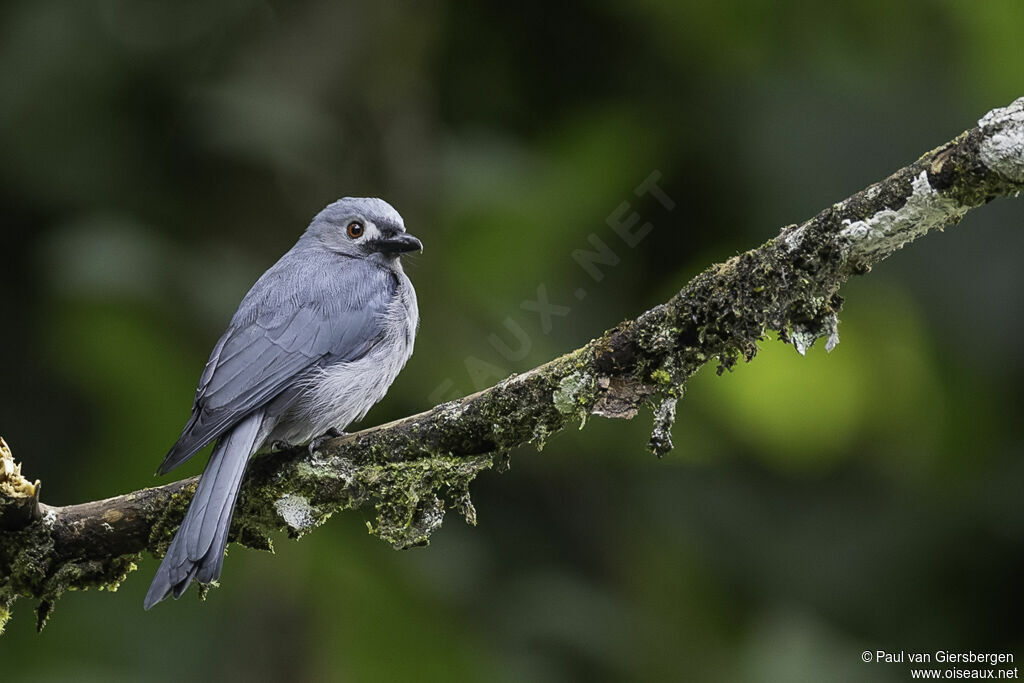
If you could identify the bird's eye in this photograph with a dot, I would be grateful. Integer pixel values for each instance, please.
(355, 230)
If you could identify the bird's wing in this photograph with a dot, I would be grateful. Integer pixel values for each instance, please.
(298, 315)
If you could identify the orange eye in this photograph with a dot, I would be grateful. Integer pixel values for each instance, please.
(355, 230)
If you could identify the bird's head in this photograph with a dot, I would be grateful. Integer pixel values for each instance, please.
(363, 227)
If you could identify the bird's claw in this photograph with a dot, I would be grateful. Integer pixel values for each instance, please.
(317, 442)
(281, 445)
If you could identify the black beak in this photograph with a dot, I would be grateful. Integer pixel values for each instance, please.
(399, 244)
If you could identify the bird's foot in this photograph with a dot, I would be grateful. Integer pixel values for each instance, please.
(317, 442)
(281, 445)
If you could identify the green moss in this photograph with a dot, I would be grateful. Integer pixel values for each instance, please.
(166, 525)
(572, 393)
(32, 567)
(411, 497)
(29, 566)
(662, 377)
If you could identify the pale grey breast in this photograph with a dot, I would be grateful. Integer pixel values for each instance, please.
(340, 394)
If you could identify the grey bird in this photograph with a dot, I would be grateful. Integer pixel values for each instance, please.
(314, 344)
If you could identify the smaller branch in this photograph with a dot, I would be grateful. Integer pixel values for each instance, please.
(413, 469)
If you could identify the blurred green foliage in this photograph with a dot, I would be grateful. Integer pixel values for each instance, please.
(157, 157)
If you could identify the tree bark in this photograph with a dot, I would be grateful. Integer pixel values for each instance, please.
(414, 469)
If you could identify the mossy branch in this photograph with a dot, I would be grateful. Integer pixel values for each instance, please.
(413, 470)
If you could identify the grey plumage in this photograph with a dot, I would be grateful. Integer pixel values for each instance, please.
(314, 344)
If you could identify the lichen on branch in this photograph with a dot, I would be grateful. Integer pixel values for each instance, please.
(411, 471)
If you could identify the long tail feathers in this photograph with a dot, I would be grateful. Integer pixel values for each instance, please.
(197, 551)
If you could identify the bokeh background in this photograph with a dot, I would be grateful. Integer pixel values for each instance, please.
(156, 157)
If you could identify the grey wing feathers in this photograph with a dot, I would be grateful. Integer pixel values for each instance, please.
(303, 312)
